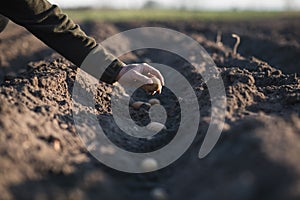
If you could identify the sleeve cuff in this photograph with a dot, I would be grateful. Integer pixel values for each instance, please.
(100, 63)
(112, 71)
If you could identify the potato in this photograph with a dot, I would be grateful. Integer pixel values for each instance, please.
(154, 101)
(136, 105)
(159, 194)
(155, 126)
(155, 87)
(149, 164)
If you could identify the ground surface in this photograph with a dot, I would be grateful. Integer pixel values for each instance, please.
(257, 156)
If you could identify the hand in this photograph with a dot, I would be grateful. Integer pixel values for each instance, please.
(140, 73)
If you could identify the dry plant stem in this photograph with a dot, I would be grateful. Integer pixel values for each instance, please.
(219, 38)
(237, 43)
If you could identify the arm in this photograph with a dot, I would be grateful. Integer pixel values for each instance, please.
(55, 29)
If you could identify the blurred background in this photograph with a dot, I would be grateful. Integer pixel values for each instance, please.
(177, 10)
(185, 4)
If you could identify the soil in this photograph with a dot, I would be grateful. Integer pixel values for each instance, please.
(42, 157)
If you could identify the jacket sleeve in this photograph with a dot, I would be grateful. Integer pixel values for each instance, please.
(55, 29)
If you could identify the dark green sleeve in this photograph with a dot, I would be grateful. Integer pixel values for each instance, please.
(55, 29)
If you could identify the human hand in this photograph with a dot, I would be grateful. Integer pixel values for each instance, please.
(142, 74)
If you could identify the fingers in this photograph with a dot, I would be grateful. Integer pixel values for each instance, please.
(141, 78)
(153, 71)
(144, 74)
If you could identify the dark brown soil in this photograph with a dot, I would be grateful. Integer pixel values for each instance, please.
(257, 156)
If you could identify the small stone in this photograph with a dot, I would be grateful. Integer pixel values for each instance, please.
(56, 144)
(64, 126)
(251, 80)
(35, 82)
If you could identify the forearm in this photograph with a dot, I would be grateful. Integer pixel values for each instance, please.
(54, 28)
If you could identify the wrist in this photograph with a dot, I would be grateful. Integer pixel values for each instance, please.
(111, 74)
